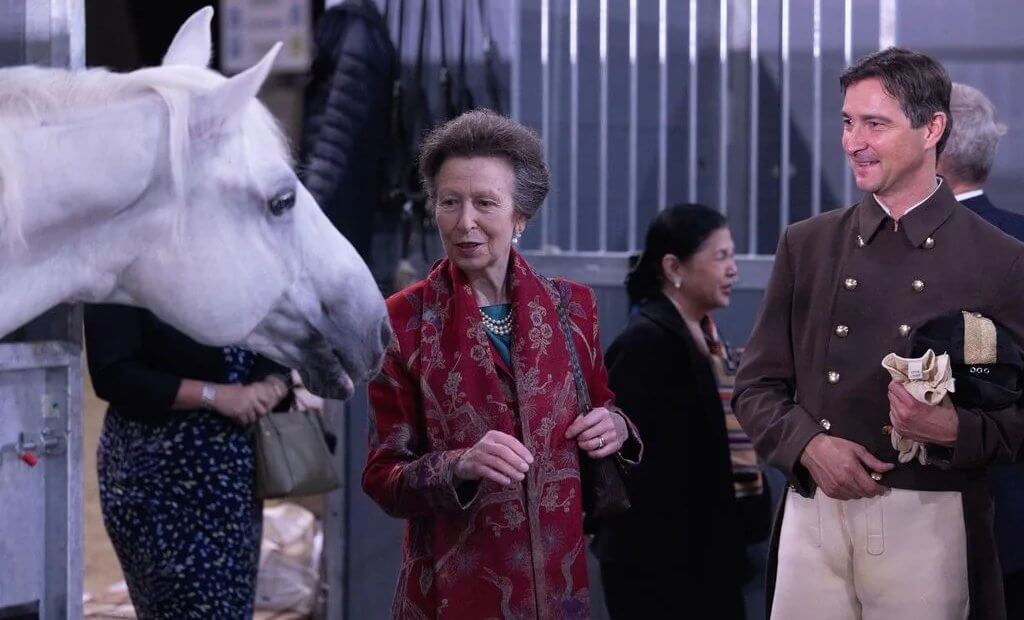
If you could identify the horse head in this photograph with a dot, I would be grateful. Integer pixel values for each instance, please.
(248, 256)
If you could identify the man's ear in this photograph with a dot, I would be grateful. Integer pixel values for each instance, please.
(936, 127)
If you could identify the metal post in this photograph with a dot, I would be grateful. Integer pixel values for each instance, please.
(691, 190)
(887, 23)
(602, 221)
(662, 104)
(545, 101)
(723, 106)
(816, 117)
(847, 61)
(634, 107)
(574, 129)
(516, 60)
(784, 124)
(752, 178)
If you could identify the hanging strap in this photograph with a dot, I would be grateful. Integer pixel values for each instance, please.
(465, 96)
(448, 108)
(398, 129)
(424, 14)
(582, 394)
(491, 57)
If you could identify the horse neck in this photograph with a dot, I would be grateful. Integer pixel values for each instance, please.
(33, 280)
(86, 169)
(82, 191)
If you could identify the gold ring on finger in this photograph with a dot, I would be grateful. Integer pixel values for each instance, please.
(600, 442)
(877, 477)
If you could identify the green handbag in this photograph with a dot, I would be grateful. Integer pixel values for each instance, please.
(292, 457)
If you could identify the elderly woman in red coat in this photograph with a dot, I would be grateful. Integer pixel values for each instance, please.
(477, 439)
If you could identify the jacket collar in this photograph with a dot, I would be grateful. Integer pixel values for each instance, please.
(979, 204)
(919, 224)
(662, 311)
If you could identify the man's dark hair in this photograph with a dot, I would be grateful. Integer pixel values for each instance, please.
(917, 81)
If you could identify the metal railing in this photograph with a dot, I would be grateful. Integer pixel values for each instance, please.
(737, 58)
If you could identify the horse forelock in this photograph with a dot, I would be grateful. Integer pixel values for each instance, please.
(30, 95)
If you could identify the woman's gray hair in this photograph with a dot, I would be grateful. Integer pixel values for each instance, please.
(972, 144)
(482, 133)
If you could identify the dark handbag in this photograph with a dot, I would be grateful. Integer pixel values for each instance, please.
(292, 456)
(603, 480)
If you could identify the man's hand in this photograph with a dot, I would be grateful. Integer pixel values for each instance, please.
(920, 421)
(841, 468)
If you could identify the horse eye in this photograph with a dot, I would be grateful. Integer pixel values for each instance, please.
(281, 203)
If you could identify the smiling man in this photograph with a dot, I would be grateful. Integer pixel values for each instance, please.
(863, 536)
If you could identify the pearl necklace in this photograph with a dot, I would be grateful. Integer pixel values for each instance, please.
(501, 327)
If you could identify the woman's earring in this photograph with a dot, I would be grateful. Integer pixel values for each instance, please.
(516, 236)
(677, 284)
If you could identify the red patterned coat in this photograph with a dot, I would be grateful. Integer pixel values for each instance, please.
(484, 550)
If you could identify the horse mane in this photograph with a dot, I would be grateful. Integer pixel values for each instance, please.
(32, 95)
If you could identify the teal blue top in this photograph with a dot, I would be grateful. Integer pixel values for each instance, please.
(501, 343)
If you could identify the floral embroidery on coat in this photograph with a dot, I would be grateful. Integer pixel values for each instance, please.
(489, 551)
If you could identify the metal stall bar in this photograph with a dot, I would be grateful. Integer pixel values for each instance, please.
(634, 107)
(545, 102)
(691, 190)
(662, 104)
(816, 118)
(755, 91)
(41, 387)
(516, 70)
(723, 106)
(886, 23)
(784, 121)
(847, 61)
(574, 122)
(602, 221)
(68, 48)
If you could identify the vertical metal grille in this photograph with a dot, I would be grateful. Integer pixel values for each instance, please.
(719, 101)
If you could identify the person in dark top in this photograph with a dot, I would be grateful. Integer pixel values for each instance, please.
(176, 463)
(678, 550)
(347, 131)
(965, 164)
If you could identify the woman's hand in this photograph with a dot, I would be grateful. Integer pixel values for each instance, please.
(498, 457)
(247, 403)
(598, 433)
(269, 392)
(304, 399)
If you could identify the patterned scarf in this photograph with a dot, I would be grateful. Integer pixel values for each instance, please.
(459, 366)
(746, 471)
(467, 390)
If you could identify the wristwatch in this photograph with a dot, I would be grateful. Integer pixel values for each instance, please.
(207, 395)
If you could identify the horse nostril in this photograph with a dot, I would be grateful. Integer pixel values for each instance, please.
(385, 332)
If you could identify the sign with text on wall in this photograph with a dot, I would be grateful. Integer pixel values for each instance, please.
(248, 28)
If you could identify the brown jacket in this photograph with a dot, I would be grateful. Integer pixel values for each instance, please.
(847, 288)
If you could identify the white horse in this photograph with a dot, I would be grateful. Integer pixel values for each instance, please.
(171, 188)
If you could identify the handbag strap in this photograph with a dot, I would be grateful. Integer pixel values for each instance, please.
(582, 394)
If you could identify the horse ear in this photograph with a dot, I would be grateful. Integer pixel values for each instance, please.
(231, 97)
(191, 46)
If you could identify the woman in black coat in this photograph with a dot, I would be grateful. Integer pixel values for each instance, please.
(678, 552)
